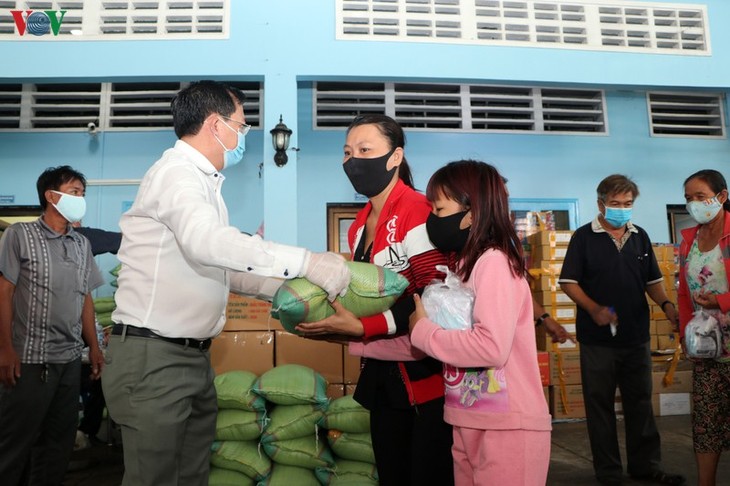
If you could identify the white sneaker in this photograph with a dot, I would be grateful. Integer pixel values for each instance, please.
(82, 442)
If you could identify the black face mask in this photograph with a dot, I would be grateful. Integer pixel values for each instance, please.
(369, 176)
(445, 233)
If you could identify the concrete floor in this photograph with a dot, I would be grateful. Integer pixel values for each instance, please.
(570, 463)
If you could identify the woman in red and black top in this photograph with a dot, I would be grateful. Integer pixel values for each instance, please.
(402, 388)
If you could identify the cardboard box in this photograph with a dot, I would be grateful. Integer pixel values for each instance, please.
(247, 314)
(664, 326)
(666, 341)
(652, 326)
(548, 298)
(552, 253)
(243, 350)
(550, 238)
(671, 404)
(350, 389)
(322, 356)
(569, 363)
(564, 314)
(548, 267)
(335, 390)
(546, 392)
(571, 407)
(682, 382)
(544, 283)
(351, 364)
(543, 364)
(653, 343)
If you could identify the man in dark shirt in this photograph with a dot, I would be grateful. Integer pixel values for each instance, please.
(608, 267)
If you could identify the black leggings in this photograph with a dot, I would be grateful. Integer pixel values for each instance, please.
(412, 446)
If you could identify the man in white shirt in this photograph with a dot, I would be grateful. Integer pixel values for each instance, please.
(179, 260)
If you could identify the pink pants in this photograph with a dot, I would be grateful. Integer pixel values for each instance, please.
(500, 457)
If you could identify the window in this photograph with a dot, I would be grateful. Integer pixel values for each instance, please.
(599, 24)
(473, 108)
(110, 106)
(686, 114)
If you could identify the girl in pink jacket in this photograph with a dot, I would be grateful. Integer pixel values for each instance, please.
(494, 397)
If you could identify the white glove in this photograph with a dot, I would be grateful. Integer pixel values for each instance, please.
(329, 271)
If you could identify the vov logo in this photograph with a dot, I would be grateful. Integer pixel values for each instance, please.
(38, 22)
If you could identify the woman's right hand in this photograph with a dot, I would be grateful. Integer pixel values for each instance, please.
(341, 322)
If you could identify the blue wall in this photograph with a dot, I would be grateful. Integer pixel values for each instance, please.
(289, 43)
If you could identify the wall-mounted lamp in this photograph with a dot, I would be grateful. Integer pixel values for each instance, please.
(280, 137)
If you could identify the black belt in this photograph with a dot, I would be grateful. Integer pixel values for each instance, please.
(126, 329)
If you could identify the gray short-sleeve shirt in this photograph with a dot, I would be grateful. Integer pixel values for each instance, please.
(52, 274)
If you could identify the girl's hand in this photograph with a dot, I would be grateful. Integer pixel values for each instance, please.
(556, 331)
(341, 322)
(707, 300)
(417, 314)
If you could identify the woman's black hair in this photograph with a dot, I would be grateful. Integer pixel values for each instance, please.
(391, 130)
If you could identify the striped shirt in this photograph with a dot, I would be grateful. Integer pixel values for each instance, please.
(52, 274)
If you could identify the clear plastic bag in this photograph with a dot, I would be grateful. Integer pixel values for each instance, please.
(449, 303)
(702, 336)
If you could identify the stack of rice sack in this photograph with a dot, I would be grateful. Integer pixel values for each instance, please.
(348, 435)
(281, 444)
(104, 306)
(292, 438)
(236, 458)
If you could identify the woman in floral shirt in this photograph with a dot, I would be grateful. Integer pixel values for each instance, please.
(703, 284)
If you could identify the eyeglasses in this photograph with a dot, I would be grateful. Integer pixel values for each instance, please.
(242, 128)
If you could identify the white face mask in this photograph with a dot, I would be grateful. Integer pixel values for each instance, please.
(232, 156)
(71, 207)
(704, 211)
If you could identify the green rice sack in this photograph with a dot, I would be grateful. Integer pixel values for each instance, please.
(372, 290)
(292, 384)
(292, 421)
(226, 477)
(308, 452)
(355, 447)
(103, 305)
(242, 456)
(346, 415)
(348, 473)
(283, 475)
(234, 424)
(234, 390)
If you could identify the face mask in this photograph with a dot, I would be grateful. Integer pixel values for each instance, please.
(445, 233)
(369, 176)
(617, 217)
(704, 211)
(233, 156)
(70, 207)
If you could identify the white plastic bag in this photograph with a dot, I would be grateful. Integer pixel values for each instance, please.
(449, 303)
(702, 336)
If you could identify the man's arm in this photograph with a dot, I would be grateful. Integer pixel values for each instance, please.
(9, 360)
(600, 314)
(88, 331)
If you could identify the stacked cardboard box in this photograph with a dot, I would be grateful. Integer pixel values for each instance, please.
(662, 334)
(547, 251)
(671, 397)
(252, 340)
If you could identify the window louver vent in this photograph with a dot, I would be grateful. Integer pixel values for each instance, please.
(111, 106)
(10, 102)
(599, 24)
(680, 114)
(463, 107)
(118, 19)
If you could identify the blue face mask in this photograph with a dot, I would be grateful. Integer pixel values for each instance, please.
(70, 207)
(233, 156)
(617, 217)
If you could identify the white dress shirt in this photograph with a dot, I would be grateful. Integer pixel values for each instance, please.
(179, 254)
